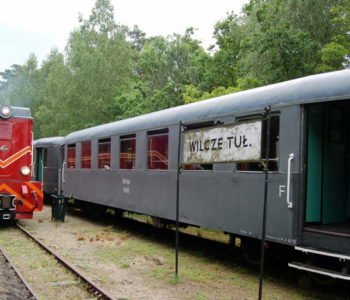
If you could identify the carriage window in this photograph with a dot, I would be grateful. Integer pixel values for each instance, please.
(198, 167)
(127, 151)
(104, 153)
(158, 142)
(274, 148)
(45, 152)
(86, 155)
(71, 156)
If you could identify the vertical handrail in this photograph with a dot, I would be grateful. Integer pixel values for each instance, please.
(32, 155)
(63, 168)
(290, 158)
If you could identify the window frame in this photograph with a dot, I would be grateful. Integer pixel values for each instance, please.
(82, 162)
(126, 138)
(158, 133)
(71, 165)
(101, 142)
(199, 167)
(45, 153)
(257, 167)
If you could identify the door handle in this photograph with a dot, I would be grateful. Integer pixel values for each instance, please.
(290, 158)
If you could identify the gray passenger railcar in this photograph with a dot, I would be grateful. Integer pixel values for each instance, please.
(132, 165)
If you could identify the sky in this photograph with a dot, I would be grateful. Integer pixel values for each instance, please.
(37, 26)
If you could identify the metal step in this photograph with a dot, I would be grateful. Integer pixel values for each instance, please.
(317, 270)
(324, 253)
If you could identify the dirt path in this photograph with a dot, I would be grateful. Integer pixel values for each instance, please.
(138, 267)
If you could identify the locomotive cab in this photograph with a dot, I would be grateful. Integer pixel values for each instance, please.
(19, 196)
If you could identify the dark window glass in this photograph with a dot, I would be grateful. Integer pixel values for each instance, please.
(127, 151)
(274, 145)
(158, 150)
(198, 167)
(71, 156)
(45, 152)
(86, 155)
(104, 154)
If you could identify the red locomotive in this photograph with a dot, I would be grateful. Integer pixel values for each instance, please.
(19, 196)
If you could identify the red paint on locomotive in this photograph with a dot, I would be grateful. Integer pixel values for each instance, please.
(19, 196)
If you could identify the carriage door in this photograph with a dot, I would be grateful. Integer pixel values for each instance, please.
(327, 165)
(39, 164)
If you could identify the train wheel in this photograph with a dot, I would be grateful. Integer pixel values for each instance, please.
(251, 250)
(97, 210)
(118, 212)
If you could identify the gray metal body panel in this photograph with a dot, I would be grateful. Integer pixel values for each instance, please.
(54, 162)
(51, 172)
(151, 193)
(233, 202)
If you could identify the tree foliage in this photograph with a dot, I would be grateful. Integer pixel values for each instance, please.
(109, 72)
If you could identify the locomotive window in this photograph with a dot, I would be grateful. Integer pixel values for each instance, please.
(158, 142)
(274, 144)
(71, 156)
(127, 151)
(86, 155)
(104, 153)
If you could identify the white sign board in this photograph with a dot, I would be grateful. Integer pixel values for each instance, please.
(239, 142)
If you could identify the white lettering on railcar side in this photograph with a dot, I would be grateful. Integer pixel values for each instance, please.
(281, 239)
(126, 182)
(282, 189)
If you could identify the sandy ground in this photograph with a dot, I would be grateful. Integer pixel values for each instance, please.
(111, 259)
(133, 266)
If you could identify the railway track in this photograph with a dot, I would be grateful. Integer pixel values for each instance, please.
(95, 291)
(12, 284)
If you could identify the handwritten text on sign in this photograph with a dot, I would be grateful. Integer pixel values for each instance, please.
(240, 142)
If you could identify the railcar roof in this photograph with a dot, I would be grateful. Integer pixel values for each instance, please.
(316, 88)
(50, 141)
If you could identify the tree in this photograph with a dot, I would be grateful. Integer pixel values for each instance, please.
(223, 67)
(53, 115)
(279, 44)
(335, 55)
(101, 62)
(19, 87)
(164, 67)
(5, 78)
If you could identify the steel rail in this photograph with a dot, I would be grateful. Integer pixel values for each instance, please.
(19, 274)
(91, 287)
